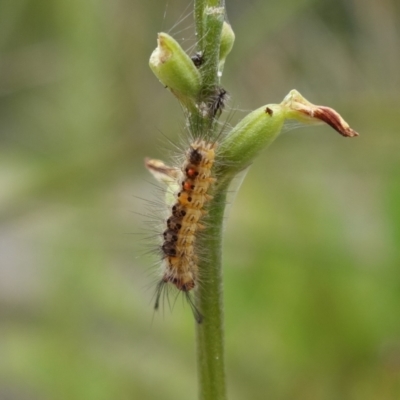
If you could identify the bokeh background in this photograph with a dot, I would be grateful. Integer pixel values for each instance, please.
(312, 246)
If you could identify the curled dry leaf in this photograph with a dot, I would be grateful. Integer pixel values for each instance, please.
(162, 172)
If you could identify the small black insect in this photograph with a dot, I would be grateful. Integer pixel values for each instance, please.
(198, 59)
(218, 101)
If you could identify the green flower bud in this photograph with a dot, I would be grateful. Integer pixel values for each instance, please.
(251, 135)
(174, 68)
(227, 40)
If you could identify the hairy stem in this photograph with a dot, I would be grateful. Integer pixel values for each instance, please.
(199, 6)
(209, 18)
(209, 295)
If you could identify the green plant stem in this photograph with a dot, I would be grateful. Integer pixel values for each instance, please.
(199, 7)
(209, 18)
(213, 21)
(209, 299)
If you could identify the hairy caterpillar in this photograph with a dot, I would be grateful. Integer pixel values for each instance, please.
(179, 256)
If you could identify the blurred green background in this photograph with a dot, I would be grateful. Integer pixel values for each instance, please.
(311, 254)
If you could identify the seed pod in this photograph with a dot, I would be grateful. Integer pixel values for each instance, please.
(251, 135)
(174, 68)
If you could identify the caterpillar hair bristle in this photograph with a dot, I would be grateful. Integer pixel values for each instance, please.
(162, 291)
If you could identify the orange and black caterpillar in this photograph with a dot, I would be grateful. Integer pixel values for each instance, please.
(180, 258)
